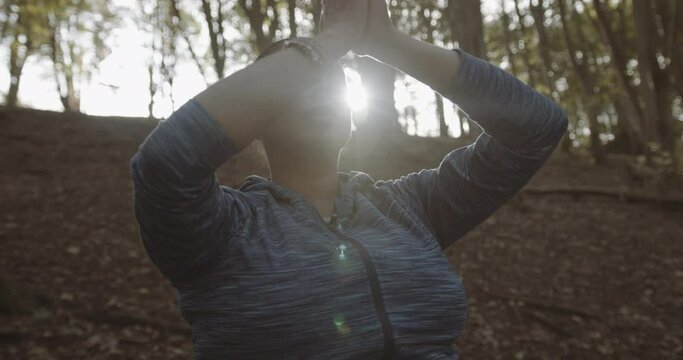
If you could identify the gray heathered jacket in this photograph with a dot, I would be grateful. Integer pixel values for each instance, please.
(259, 275)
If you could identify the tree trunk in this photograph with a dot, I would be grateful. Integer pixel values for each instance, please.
(467, 26)
(16, 66)
(441, 115)
(666, 80)
(180, 28)
(566, 142)
(72, 100)
(586, 78)
(216, 39)
(274, 24)
(644, 23)
(505, 22)
(73, 74)
(597, 149)
(665, 25)
(627, 134)
(677, 48)
(618, 60)
(152, 90)
(538, 13)
(63, 75)
(531, 79)
(257, 14)
(667, 123)
(291, 10)
(317, 10)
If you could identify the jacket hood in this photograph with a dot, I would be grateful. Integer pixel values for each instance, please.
(349, 183)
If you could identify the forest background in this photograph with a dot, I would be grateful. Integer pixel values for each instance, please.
(585, 262)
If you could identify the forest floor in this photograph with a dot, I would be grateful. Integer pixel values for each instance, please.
(571, 275)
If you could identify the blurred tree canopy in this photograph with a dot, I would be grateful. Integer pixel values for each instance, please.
(71, 34)
(616, 66)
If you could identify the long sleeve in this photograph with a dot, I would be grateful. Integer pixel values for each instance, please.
(183, 213)
(521, 129)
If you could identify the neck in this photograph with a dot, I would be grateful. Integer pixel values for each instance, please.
(313, 175)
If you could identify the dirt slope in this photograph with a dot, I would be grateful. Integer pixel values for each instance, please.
(548, 276)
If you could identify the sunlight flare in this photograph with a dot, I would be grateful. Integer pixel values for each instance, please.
(356, 97)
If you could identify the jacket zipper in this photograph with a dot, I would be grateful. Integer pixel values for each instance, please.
(378, 299)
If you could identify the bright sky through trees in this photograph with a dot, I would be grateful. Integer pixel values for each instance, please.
(120, 85)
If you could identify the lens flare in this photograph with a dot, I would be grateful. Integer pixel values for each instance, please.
(356, 97)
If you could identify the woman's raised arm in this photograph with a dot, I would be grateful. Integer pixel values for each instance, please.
(521, 129)
(185, 217)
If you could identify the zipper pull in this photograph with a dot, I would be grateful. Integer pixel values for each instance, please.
(334, 222)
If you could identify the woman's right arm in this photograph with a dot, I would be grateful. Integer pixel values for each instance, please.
(246, 102)
(185, 217)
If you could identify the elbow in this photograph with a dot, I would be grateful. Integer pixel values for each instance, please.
(134, 159)
(146, 169)
(133, 164)
(552, 127)
(555, 127)
(135, 169)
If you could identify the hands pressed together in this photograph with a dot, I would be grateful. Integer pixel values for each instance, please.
(363, 26)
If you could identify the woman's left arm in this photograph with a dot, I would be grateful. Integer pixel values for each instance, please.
(521, 129)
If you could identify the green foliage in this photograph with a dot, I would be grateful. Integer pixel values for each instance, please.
(526, 37)
(72, 33)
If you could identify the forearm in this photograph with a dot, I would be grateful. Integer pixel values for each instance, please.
(504, 106)
(246, 102)
(430, 64)
(522, 127)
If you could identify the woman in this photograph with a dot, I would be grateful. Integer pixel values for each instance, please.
(259, 273)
